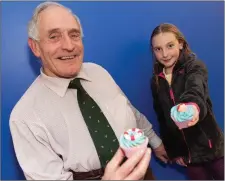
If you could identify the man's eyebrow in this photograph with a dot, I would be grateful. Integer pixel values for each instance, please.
(54, 30)
(74, 30)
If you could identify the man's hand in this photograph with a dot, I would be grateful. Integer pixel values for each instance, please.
(161, 154)
(180, 161)
(134, 168)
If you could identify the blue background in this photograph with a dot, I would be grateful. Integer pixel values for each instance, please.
(116, 37)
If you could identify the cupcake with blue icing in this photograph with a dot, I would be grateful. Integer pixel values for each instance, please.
(132, 141)
(182, 114)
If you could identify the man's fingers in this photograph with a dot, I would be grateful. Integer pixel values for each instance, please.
(133, 168)
(140, 170)
(163, 158)
(166, 156)
(131, 163)
(180, 162)
(117, 159)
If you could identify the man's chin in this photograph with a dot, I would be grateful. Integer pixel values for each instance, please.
(72, 72)
(70, 75)
(67, 75)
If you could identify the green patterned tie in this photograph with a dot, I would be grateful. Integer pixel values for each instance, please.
(103, 136)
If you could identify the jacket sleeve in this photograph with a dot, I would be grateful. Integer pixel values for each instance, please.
(196, 88)
(156, 106)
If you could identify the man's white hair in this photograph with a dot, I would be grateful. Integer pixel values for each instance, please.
(33, 24)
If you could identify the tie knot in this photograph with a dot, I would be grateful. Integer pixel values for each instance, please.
(75, 84)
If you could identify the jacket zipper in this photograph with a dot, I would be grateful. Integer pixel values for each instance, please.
(174, 102)
(209, 140)
(173, 99)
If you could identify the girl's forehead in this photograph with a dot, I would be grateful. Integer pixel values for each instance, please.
(163, 38)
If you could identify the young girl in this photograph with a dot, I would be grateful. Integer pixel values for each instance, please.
(179, 77)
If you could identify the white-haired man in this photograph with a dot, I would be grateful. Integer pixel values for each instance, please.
(67, 124)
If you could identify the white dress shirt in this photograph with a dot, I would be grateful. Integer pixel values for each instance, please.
(46, 123)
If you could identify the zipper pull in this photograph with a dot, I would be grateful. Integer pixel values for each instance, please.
(189, 160)
(210, 143)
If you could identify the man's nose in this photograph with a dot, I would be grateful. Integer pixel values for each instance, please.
(67, 43)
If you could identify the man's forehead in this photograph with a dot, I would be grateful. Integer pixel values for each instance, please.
(56, 15)
(54, 10)
(57, 18)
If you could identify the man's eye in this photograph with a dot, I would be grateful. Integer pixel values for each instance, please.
(53, 37)
(75, 35)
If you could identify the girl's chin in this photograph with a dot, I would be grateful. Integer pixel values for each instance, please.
(169, 64)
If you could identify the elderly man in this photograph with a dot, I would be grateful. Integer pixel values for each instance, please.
(67, 124)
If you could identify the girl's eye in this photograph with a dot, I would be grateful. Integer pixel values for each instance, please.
(157, 49)
(171, 45)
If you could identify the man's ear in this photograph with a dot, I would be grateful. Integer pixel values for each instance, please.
(34, 47)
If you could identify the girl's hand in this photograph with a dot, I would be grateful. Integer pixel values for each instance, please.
(195, 117)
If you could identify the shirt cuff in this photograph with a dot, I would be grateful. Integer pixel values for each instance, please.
(155, 142)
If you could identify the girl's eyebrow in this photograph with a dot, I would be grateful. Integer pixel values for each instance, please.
(170, 42)
(166, 44)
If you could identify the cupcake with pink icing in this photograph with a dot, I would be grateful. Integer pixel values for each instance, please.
(182, 114)
(132, 141)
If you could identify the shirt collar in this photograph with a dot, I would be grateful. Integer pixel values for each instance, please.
(60, 85)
